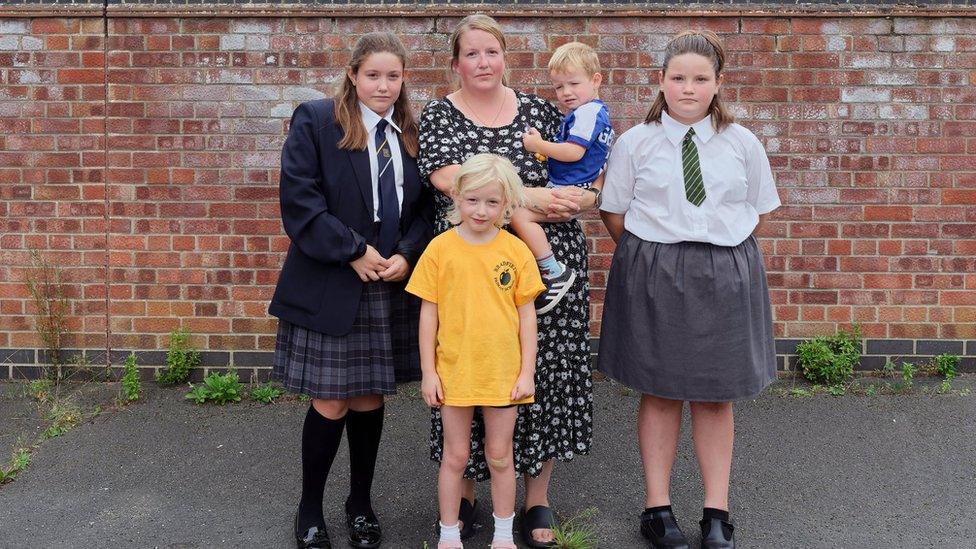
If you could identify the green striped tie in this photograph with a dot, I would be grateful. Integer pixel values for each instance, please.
(694, 187)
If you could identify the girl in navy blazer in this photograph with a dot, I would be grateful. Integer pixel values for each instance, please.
(358, 219)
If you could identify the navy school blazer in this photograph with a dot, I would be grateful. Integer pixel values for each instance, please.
(326, 196)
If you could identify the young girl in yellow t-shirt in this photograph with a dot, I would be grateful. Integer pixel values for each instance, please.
(478, 335)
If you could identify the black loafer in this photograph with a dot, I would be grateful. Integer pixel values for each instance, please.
(661, 529)
(364, 530)
(312, 538)
(717, 534)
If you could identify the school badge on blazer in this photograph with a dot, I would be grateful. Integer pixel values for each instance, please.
(504, 275)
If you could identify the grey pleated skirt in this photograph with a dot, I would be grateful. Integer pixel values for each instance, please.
(379, 352)
(688, 321)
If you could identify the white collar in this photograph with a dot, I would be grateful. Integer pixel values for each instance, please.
(676, 131)
(371, 119)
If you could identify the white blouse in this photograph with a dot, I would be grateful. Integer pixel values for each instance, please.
(645, 182)
(370, 120)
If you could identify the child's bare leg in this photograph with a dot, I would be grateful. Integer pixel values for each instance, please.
(526, 225)
(713, 431)
(457, 444)
(658, 426)
(499, 429)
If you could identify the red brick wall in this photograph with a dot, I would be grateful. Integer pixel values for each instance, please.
(162, 194)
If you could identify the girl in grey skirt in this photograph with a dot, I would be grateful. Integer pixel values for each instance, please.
(687, 313)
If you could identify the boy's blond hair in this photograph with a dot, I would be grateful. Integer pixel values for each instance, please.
(574, 56)
(485, 169)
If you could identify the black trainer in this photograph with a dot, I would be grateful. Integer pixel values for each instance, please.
(556, 290)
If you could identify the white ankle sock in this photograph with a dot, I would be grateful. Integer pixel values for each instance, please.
(450, 533)
(503, 528)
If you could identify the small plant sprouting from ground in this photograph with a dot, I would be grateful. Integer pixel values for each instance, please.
(217, 388)
(41, 390)
(830, 360)
(131, 384)
(64, 415)
(51, 304)
(577, 532)
(946, 366)
(908, 374)
(180, 359)
(266, 393)
(18, 462)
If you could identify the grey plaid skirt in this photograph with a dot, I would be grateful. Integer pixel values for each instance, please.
(688, 321)
(379, 352)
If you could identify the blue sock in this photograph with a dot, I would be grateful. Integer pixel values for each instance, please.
(549, 267)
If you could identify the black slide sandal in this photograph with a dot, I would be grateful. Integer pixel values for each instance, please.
(538, 517)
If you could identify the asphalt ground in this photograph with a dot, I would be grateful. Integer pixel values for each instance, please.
(856, 471)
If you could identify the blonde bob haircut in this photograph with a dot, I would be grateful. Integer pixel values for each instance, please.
(488, 169)
(574, 56)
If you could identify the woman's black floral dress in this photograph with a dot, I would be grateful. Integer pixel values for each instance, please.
(560, 423)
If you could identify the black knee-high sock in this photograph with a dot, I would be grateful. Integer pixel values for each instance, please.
(363, 430)
(320, 442)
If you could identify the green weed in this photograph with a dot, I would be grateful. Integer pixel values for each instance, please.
(41, 390)
(64, 415)
(131, 385)
(180, 359)
(266, 393)
(830, 360)
(217, 388)
(577, 532)
(18, 462)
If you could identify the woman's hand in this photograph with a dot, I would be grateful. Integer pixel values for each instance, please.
(430, 388)
(397, 270)
(524, 386)
(369, 266)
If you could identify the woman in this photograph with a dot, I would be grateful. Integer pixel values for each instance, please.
(354, 208)
(485, 115)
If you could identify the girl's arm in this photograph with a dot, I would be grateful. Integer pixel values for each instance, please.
(430, 385)
(614, 223)
(304, 210)
(564, 152)
(528, 334)
(759, 225)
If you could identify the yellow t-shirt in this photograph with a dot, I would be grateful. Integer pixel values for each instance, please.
(477, 289)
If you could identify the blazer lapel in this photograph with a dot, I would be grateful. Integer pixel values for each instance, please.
(360, 166)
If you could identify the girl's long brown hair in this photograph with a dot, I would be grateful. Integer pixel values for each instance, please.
(708, 45)
(347, 112)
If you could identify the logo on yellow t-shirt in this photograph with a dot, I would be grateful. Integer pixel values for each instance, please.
(504, 275)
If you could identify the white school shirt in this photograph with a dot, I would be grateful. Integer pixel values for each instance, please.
(645, 182)
(370, 120)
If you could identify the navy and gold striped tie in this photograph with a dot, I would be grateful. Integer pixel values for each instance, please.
(694, 186)
(389, 207)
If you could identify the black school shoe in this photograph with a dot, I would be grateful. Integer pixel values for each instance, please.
(661, 529)
(717, 534)
(312, 538)
(364, 530)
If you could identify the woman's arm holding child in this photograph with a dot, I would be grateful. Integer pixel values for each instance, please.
(430, 385)
(528, 334)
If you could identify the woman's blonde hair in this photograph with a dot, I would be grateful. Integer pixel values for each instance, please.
(486, 169)
(347, 111)
(708, 45)
(482, 22)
